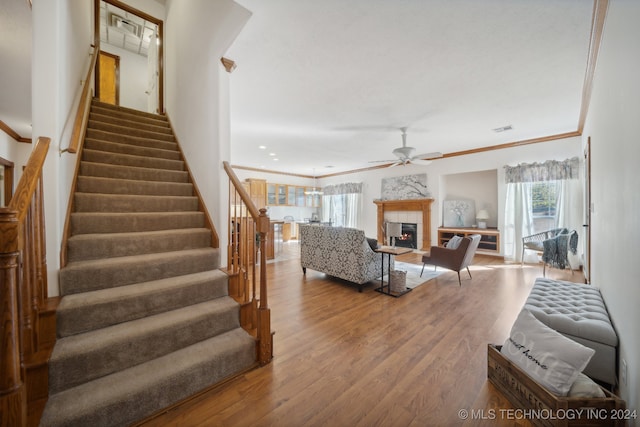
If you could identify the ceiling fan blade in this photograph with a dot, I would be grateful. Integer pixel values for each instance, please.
(420, 162)
(395, 164)
(383, 161)
(434, 155)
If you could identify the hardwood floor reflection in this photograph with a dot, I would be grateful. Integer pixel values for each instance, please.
(344, 358)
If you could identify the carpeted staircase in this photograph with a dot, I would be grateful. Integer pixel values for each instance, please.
(145, 320)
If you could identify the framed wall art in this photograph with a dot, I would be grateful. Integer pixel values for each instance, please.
(458, 213)
(405, 187)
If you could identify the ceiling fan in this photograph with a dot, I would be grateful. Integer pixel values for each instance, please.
(404, 154)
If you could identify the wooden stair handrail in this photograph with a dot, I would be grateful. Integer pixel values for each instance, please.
(246, 199)
(80, 122)
(29, 179)
(242, 263)
(22, 285)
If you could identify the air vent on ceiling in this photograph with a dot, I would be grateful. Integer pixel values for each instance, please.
(125, 25)
(503, 128)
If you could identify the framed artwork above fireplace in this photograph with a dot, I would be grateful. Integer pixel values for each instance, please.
(405, 187)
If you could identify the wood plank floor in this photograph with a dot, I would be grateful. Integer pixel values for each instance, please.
(343, 358)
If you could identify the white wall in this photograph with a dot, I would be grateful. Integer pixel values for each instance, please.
(480, 186)
(133, 77)
(197, 34)
(16, 152)
(614, 129)
(62, 35)
(154, 8)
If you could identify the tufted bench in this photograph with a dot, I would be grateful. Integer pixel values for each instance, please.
(578, 312)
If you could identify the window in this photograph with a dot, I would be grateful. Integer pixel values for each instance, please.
(539, 197)
(342, 204)
(544, 200)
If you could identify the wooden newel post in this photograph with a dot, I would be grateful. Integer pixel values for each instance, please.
(265, 338)
(13, 402)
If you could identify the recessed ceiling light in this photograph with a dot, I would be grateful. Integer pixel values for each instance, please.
(275, 159)
(503, 128)
(329, 166)
(262, 147)
(272, 154)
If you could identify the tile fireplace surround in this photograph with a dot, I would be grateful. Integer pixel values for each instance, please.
(417, 211)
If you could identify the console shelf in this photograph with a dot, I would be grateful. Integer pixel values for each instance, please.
(489, 240)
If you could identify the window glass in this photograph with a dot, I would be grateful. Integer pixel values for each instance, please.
(544, 198)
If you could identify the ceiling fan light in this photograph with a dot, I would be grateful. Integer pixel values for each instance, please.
(403, 152)
(314, 190)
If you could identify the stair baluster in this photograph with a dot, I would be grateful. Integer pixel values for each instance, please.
(246, 225)
(22, 286)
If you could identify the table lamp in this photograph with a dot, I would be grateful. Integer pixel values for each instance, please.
(482, 218)
(394, 229)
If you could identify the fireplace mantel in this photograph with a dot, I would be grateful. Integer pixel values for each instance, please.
(422, 205)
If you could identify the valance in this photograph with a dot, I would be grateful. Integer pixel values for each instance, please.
(551, 170)
(346, 188)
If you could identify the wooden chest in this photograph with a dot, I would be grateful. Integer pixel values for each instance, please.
(543, 408)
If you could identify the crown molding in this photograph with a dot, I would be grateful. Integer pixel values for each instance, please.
(597, 28)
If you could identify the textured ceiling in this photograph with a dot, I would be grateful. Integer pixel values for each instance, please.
(125, 30)
(331, 83)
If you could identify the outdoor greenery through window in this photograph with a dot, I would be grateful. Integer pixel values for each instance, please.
(544, 200)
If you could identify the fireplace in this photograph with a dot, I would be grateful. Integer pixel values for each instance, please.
(409, 238)
(416, 211)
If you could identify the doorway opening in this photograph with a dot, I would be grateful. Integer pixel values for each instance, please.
(136, 39)
(109, 78)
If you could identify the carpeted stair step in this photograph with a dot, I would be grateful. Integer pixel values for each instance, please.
(125, 172)
(122, 222)
(131, 160)
(84, 247)
(87, 311)
(136, 123)
(91, 275)
(118, 109)
(129, 139)
(145, 320)
(84, 357)
(153, 120)
(138, 132)
(138, 392)
(114, 147)
(92, 202)
(93, 184)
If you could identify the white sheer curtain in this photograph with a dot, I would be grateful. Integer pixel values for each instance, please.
(353, 210)
(518, 204)
(342, 205)
(569, 213)
(570, 204)
(325, 214)
(517, 220)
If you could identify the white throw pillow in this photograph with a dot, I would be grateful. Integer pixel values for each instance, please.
(549, 357)
(454, 242)
(584, 387)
